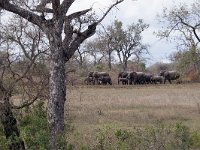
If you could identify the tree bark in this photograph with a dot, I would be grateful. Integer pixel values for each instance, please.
(57, 95)
(125, 64)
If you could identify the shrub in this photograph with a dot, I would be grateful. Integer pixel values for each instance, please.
(99, 67)
(153, 137)
(35, 131)
(195, 139)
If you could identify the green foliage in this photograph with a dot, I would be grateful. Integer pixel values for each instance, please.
(183, 137)
(142, 66)
(35, 132)
(34, 128)
(105, 138)
(195, 138)
(99, 67)
(159, 136)
(122, 134)
(188, 63)
(3, 141)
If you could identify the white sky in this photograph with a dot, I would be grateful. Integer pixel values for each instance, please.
(130, 11)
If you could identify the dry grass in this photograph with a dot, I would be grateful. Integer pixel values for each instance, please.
(130, 106)
(92, 107)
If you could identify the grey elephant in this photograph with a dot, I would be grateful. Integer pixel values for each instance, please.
(124, 81)
(157, 79)
(98, 75)
(147, 78)
(104, 80)
(131, 76)
(136, 77)
(90, 74)
(89, 80)
(169, 75)
(122, 76)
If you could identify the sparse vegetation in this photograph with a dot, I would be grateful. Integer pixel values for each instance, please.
(135, 117)
(120, 117)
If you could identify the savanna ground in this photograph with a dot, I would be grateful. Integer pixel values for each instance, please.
(120, 117)
(126, 107)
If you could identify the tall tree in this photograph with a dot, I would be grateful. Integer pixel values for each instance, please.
(128, 42)
(64, 39)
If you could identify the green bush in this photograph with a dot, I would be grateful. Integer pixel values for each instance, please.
(195, 139)
(155, 137)
(3, 141)
(35, 131)
(183, 137)
(99, 67)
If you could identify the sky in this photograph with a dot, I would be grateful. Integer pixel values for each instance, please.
(130, 11)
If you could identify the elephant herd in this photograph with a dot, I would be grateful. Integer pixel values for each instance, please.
(98, 78)
(132, 77)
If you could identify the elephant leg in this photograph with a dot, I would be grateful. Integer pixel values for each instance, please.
(130, 82)
(164, 80)
(169, 81)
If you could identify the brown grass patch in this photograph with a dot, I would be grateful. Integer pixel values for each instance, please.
(128, 106)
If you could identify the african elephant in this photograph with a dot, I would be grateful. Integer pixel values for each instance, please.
(122, 75)
(169, 75)
(89, 80)
(98, 75)
(90, 74)
(147, 78)
(131, 76)
(123, 80)
(136, 77)
(156, 79)
(105, 80)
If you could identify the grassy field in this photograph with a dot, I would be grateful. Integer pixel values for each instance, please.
(92, 107)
